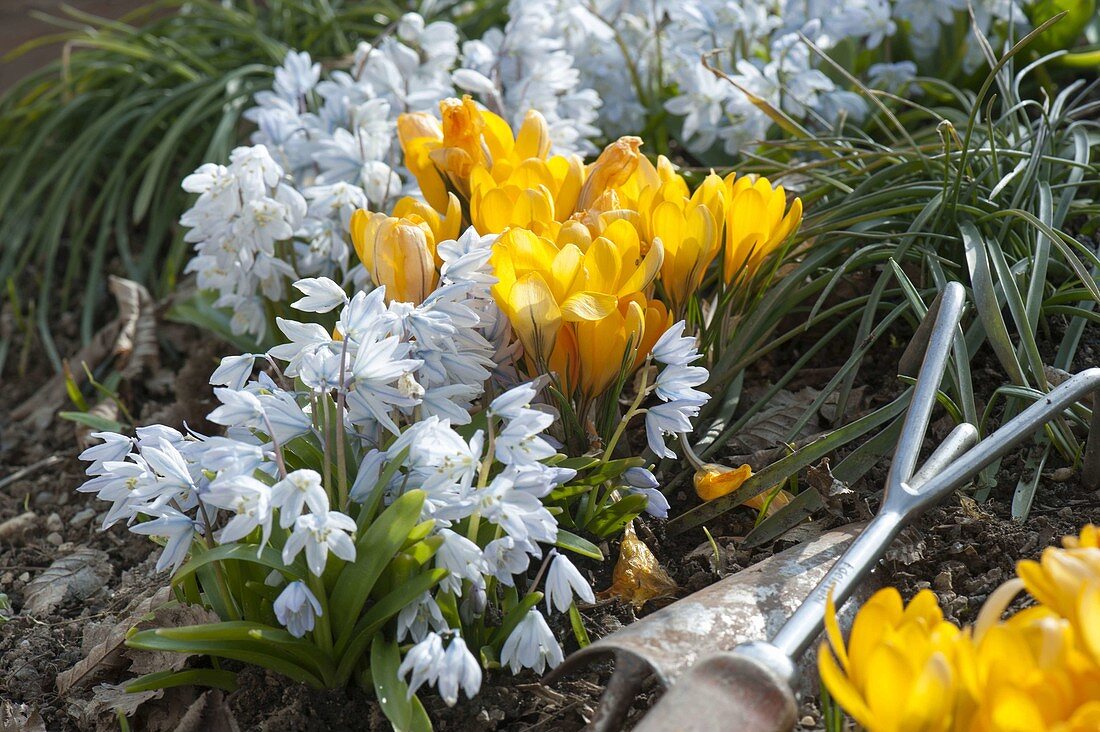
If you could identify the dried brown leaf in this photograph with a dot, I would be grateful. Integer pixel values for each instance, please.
(136, 345)
(20, 718)
(908, 548)
(115, 698)
(75, 576)
(209, 713)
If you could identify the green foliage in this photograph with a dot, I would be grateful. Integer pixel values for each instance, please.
(992, 188)
(93, 147)
(359, 599)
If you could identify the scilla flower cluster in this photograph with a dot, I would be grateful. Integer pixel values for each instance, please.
(643, 59)
(328, 146)
(386, 488)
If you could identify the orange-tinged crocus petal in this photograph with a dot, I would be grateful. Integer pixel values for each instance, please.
(463, 126)
(612, 168)
(715, 481)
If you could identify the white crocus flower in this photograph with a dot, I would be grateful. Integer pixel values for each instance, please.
(562, 581)
(459, 669)
(298, 489)
(233, 372)
(174, 526)
(321, 295)
(249, 502)
(423, 662)
(531, 645)
(676, 382)
(419, 617)
(114, 447)
(668, 419)
(319, 534)
(461, 558)
(297, 609)
(673, 349)
(238, 409)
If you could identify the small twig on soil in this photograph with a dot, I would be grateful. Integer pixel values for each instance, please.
(22, 472)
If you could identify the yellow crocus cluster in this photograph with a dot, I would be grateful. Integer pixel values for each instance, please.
(905, 668)
(594, 261)
(580, 312)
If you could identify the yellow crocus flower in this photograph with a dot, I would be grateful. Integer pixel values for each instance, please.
(399, 251)
(1067, 580)
(579, 312)
(896, 672)
(472, 141)
(756, 224)
(420, 134)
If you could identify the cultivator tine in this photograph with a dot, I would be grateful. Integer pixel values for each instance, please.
(753, 685)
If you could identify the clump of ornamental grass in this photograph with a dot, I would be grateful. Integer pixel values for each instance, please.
(905, 667)
(990, 188)
(94, 144)
(386, 507)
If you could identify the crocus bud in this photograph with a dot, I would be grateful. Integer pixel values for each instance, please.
(612, 168)
(399, 253)
(640, 478)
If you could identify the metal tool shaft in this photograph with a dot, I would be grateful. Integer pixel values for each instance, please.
(899, 504)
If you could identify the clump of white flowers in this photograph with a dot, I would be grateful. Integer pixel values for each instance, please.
(329, 146)
(385, 465)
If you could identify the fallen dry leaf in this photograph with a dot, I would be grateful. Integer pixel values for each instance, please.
(209, 713)
(75, 576)
(108, 652)
(638, 576)
(20, 718)
(136, 345)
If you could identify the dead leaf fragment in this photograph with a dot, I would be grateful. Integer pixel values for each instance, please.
(108, 652)
(638, 576)
(76, 576)
(136, 345)
(20, 718)
(209, 713)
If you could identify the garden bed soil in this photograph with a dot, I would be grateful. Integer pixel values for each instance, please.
(961, 550)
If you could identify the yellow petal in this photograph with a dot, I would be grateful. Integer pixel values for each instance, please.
(588, 306)
(1088, 621)
(565, 272)
(535, 315)
(715, 481)
(832, 630)
(841, 688)
(494, 212)
(602, 266)
(533, 138)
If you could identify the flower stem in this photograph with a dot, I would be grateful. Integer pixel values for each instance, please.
(322, 628)
(341, 458)
(643, 391)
